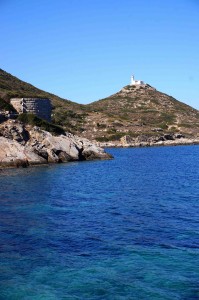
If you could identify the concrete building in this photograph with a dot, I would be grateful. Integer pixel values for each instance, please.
(136, 82)
(41, 107)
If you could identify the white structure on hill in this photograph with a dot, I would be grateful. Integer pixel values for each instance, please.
(136, 82)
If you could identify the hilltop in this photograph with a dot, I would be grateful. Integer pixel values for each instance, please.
(135, 111)
(140, 110)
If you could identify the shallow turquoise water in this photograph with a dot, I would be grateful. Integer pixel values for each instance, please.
(121, 229)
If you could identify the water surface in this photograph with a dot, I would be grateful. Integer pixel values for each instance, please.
(127, 228)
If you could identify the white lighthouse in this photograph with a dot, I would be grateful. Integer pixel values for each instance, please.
(136, 82)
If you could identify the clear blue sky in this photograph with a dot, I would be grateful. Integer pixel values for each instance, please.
(84, 50)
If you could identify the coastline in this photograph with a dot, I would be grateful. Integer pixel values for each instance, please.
(24, 145)
(178, 142)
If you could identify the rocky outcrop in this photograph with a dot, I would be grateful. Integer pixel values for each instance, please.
(22, 145)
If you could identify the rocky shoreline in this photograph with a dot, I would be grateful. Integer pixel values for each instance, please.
(23, 146)
(145, 141)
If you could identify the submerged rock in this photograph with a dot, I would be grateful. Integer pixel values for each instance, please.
(22, 145)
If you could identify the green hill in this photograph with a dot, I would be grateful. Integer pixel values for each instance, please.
(65, 112)
(134, 111)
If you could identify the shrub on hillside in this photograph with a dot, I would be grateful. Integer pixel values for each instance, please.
(33, 120)
(6, 106)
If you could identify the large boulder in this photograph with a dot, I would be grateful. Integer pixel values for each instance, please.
(91, 151)
(13, 154)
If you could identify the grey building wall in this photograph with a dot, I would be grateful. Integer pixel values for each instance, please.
(16, 103)
(41, 107)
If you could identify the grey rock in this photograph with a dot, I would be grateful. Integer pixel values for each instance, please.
(23, 146)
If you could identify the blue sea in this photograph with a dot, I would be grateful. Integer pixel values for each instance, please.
(120, 229)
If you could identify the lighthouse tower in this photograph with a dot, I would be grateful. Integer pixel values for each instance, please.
(136, 82)
(132, 79)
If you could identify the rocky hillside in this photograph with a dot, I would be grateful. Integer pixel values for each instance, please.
(139, 110)
(135, 111)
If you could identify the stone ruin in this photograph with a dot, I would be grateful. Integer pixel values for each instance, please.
(41, 107)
